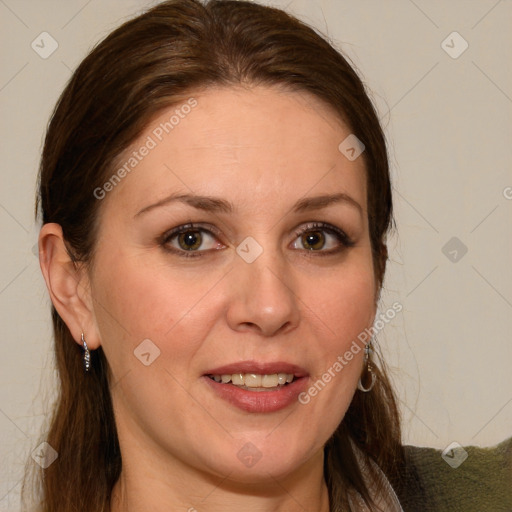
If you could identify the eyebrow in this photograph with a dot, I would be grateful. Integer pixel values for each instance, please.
(217, 205)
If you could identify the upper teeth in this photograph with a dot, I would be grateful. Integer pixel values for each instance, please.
(255, 380)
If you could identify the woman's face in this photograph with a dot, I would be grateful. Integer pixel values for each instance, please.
(236, 248)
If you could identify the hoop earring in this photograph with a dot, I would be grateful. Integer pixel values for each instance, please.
(87, 355)
(368, 374)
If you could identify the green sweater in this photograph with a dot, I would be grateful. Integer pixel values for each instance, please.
(481, 483)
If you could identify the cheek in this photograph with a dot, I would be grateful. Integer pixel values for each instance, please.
(344, 304)
(340, 312)
(143, 298)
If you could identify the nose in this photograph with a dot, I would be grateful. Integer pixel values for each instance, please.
(262, 299)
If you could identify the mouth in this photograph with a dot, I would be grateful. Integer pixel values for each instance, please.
(258, 387)
(254, 381)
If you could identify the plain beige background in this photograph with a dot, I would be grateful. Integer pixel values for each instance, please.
(447, 115)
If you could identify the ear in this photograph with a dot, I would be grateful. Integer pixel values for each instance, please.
(68, 284)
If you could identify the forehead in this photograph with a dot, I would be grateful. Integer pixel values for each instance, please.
(255, 145)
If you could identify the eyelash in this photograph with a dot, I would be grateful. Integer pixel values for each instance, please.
(341, 236)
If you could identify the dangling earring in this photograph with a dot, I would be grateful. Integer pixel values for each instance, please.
(87, 355)
(367, 372)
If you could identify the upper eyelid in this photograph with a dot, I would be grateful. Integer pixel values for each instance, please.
(190, 226)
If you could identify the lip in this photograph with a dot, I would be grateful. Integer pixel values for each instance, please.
(259, 368)
(259, 401)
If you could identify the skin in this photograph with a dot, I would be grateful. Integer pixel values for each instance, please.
(262, 149)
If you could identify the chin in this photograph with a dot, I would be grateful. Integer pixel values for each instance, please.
(258, 460)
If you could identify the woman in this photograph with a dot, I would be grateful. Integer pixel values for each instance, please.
(215, 198)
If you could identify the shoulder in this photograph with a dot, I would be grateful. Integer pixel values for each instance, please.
(462, 479)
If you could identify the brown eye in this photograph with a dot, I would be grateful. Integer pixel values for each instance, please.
(313, 240)
(190, 240)
(321, 238)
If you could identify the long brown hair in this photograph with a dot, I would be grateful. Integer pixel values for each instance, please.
(151, 63)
